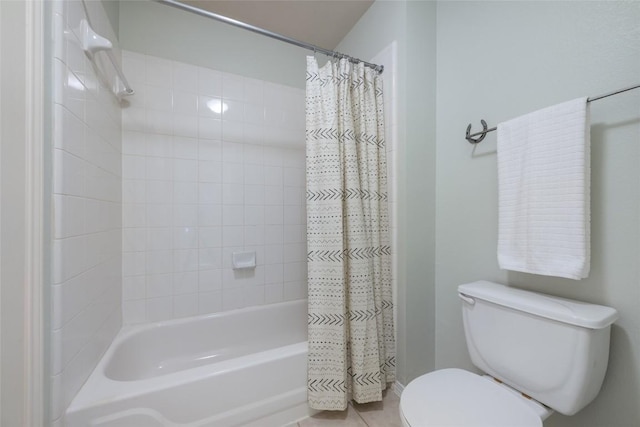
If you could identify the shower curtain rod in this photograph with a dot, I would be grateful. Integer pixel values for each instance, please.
(262, 31)
(469, 136)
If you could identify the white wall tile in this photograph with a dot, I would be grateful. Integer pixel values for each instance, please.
(159, 239)
(159, 215)
(210, 237)
(274, 234)
(159, 145)
(210, 106)
(232, 299)
(233, 236)
(209, 302)
(233, 194)
(209, 171)
(274, 273)
(158, 98)
(159, 72)
(185, 77)
(159, 262)
(274, 215)
(273, 195)
(253, 114)
(159, 309)
(159, 191)
(185, 215)
(273, 293)
(185, 282)
(133, 263)
(185, 260)
(159, 285)
(185, 170)
(185, 237)
(159, 122)
(294, 290)
(295, 252)
(159, 168)
(185, 125)
(234, 111)
(201, 183)
(185, 148)
(210, 150)
(134, 311)
(209, 215)
(134, 287)
(134, 143)
(254, 215)
(254, 91)
(87, 259)
(69, 216)
(209, 128)
(233, 131)
(185, 305)
(232, 87)
(134, 239)
(209, 82)
(69, 176)
(185, 192)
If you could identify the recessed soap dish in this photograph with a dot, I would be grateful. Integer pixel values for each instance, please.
(243, 260)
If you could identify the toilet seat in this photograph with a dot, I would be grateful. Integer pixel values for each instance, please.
(458, 398)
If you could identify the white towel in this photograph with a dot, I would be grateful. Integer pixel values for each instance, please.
(544, 191)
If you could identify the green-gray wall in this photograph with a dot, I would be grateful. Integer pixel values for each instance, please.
(112, 8)
(498, 60)
(160, 30)
(494, 61)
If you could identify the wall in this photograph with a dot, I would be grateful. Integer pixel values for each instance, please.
(163, 31)
(201, 183)
(412, 26)
(495, 61)
(86, 253)
(112, 9)
(13, 225)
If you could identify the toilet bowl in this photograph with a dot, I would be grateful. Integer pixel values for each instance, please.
(541, 353)
(456, 398)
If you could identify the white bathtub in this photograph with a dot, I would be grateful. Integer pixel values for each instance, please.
(240, 368)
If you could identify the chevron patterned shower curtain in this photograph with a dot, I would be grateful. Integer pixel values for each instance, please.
(351, 334)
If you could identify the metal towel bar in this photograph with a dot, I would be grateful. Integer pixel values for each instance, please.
(485, 130)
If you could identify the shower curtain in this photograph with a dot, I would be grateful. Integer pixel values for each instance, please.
(351, 334)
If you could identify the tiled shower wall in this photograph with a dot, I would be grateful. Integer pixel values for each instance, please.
(213, 163)
(86, 260)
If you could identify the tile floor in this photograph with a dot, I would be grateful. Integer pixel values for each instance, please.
(376, 414)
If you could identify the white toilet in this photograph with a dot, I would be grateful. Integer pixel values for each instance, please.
(541, 353)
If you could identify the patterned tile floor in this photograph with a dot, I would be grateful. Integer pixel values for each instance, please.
(377, 414)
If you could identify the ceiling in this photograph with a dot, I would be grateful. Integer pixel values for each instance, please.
(323, 23)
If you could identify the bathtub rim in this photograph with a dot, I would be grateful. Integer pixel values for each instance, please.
(132, 329)
(99, 387)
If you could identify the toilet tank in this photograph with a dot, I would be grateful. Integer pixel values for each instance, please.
(552, 349)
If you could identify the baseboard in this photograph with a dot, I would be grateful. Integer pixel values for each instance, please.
(398, 388)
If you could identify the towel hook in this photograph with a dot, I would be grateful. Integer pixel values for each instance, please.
(482, 133)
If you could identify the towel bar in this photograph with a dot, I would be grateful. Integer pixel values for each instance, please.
(470, 136)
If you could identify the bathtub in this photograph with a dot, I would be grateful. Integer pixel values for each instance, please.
(244, 367)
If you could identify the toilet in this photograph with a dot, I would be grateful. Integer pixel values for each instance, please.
(539, 353)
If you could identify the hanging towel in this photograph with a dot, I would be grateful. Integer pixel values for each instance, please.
(544, 191)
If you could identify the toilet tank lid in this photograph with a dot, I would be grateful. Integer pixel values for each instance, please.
(564, 310)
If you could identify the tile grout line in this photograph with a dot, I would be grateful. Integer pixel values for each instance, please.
(360, 416)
